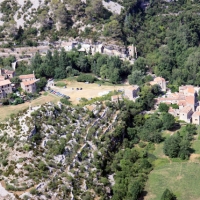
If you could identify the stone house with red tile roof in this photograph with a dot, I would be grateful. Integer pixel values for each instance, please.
(186, 114)
(29, 86)
(186, 99)
(196, 118)
(5, 88)
(27, 77)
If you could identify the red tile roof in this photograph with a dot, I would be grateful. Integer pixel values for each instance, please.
(159, 79)
(186, 109)
(26, 83)
(190, 100)
(196, 114)
(27, 76)
(5, 82)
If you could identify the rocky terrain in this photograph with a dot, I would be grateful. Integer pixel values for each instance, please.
(41, 16)
(52, 151)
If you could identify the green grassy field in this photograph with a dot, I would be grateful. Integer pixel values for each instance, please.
(60, 84)
(181, 178)
(158, 152)
(196, 146)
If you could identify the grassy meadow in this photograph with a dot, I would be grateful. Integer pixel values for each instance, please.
(180, 176)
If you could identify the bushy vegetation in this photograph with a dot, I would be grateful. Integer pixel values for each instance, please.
(167, 38)
(123, 137)
(166, 35)
(65, 101)
(86, 78)
(168, 195)
(66, 64)
(179, 144)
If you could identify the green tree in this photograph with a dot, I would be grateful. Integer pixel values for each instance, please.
(184, 151)
(41, 84)
(168, 195)
(55, 59)
(19, 35)
(171, 146)
(136, 77)
(168, 121)
(15, 80)
(163, 107)
(140, 64)
(156, 89)
(63, 16)
(104, 72)
(82, 63)
(192, 66)
(112, 29)
(96, 10)
(115, 76)
(134, 189)
(36, 61)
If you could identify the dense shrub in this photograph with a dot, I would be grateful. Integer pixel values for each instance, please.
(65, 101)
(86, 78)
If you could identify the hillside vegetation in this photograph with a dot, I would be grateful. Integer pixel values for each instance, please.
(100, 151)
(166, 34)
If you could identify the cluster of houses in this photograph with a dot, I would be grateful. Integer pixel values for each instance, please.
(183, 104)
(188, 108)
(132, 92)
(28, 82)
(113, 50)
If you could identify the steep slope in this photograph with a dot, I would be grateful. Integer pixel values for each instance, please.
(49, 151)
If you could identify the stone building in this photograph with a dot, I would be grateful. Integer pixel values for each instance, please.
(186, 114)
(29, 86)
(5, 88)
(196, 116)
(131, 51)
(159, 81)
(68, 46)
(27, 77)
(116, 98)
(132, 92)
(7, 74)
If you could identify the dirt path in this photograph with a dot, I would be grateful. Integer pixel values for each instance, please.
(17, 192)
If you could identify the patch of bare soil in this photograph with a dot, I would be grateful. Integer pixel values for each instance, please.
(179, 177)
(194, 157)
(148, 197)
